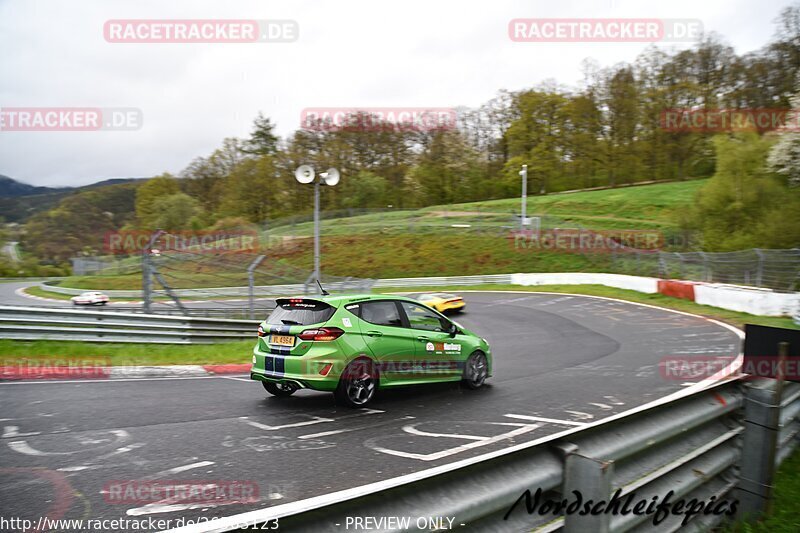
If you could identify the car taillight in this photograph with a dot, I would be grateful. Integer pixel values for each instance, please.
(261, 332)
(321, 334)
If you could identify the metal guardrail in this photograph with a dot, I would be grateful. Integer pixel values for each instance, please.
(26, 323)
(707, 444)
(299, 288)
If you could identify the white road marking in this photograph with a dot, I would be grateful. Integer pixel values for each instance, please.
(325, 433)
(13, 431)
(179, 469)
(348, 430)
(602, 406)
(579, 415)
(246, 380)
(548, 420)
(613, 400)
(414, 431)
(21, 446)
(458, 449)
(314, 420)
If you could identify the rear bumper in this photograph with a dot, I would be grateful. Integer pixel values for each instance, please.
(299, 370)
(454, 306)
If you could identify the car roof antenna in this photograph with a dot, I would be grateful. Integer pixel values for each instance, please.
(321, 290)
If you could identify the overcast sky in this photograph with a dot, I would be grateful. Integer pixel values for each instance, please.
(350, 53)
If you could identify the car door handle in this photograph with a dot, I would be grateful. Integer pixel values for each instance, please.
(423, 339)
(374, 334)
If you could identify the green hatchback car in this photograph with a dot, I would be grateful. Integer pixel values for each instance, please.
(352, 344)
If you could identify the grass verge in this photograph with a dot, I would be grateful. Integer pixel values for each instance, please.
(785, 515)
(129, 354)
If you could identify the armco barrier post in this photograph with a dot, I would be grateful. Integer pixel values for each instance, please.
(592, 479)
(759, 446)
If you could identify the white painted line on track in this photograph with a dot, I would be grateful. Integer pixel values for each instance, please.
(314, 420)
(548, 420)
(179, 469)
(580, 415)
(414, 431)
(246, 380)
(326, 433)
(349, 430)
(458, 449)
(13, 431)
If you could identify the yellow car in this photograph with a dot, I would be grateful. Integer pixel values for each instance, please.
(443, 302)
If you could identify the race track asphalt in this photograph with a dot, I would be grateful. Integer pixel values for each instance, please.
(560, 361)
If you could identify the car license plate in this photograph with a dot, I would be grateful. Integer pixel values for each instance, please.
(282, 340)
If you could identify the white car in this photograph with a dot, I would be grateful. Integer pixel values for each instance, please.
(90, 298)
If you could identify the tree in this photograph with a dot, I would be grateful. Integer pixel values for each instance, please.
(263, 140)
(447, 171)
(175, 212)
(784, 158)
(147, 194)
(365, 189)
(735, 201)
(250, 191)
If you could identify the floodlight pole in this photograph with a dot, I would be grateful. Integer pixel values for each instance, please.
(524, 174)
(316, 229)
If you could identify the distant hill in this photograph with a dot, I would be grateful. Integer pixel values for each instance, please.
(19, 201)
(12, 187)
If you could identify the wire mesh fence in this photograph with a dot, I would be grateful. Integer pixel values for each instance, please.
(772, 269)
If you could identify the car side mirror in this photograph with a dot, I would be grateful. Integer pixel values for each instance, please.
(452, 330)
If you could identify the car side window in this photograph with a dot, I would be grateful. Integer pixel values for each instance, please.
(381, 313)
(421, 317)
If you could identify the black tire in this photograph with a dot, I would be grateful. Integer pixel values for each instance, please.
(358, 384)
(280, 389)
(476, 371)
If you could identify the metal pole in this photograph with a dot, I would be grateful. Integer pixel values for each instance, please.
(760, 272)
(251, 283)
(316, 229)
(524, 175)
(147, 273)
(146, 281)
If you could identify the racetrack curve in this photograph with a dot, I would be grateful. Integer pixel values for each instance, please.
(560, 361)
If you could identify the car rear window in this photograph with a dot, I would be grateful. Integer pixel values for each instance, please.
(300, 312)
(381, 313)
